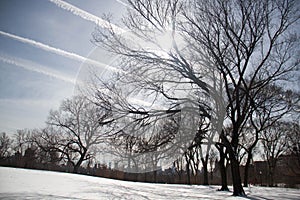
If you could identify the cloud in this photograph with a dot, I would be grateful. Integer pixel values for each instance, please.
(87, 16)
(32, 66)
(123, 3)
(58, 51)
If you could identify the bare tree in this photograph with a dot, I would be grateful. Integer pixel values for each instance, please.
(51, 146)
(5, 145)
(193, 162)
(294, 140)
(222, 165)
(140, 152)
(178, 166)
(212, 161)
(249, 44)
(78, 125)
(272, 104)
(22, 140)
(275, 143)
(294, 148)
(201, 147)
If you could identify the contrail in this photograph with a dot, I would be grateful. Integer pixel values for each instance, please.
(123, 3)
(34, 67)
(58, 51)
(87, 16)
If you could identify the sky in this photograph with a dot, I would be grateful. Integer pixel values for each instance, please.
(43, 44)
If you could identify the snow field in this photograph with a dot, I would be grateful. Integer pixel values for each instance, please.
(36, 184)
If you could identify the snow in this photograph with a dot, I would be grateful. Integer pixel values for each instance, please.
(36, 184)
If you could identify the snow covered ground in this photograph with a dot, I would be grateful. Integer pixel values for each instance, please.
(35, 184)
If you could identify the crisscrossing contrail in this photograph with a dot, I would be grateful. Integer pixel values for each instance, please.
(87, 16)
(58, 51)
(34, 67)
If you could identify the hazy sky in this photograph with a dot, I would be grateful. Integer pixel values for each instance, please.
(43, 44)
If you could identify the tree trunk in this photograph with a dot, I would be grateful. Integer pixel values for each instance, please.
(155, 176)
(223, 170)
(246, 173)
(238, 189)
(76, 167)
(205, 171)
(188, 174)
(78, 164)
(188, 170)
(271, 176)
(249, 158)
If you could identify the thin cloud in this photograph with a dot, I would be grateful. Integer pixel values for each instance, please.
(100, 22)
(58, 51)
(87, 16)
(34, 67)
(123, 3)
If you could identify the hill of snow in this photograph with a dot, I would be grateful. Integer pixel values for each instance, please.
(35, 184)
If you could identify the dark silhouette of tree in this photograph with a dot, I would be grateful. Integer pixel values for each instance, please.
(222, 165)
(294, 140)
(30, 157)
(293, 164)
(272, 104)
(21, 139)
(75, 129)
(141, 152)
(275, 143)
(248, 49)
(242, 45)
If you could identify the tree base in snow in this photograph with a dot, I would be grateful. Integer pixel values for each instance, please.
(223, 189)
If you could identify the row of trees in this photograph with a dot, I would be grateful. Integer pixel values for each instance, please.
(67, 142)
(193, 76)
(50, 150)
(71, 135)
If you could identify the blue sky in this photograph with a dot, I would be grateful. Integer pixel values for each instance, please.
(42, 45)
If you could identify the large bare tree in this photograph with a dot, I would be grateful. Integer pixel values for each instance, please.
(179, 50)
(252, 47)
(78, 125)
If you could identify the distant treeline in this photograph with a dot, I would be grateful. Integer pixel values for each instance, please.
(284, 176)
